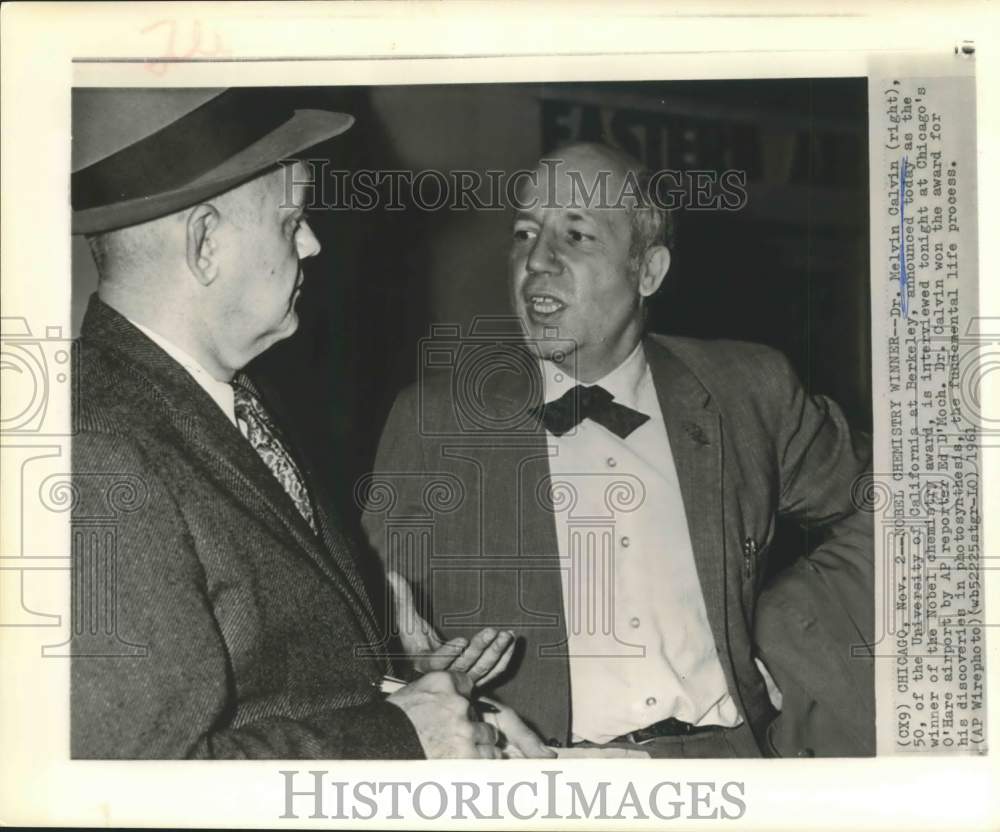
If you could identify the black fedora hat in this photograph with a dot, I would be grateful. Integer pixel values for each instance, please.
(140, 154)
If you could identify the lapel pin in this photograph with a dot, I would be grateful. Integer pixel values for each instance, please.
(696, 433)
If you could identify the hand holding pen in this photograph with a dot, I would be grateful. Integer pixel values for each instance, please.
(511, 737)
(437, 706)
(390, 684)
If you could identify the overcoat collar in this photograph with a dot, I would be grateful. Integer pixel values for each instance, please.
(220, 446)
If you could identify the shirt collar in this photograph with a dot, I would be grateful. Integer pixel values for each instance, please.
(626, 382)
(221, 392)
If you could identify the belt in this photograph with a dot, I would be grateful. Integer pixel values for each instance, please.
(669, 727)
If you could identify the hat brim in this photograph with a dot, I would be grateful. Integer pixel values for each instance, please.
(305, 129)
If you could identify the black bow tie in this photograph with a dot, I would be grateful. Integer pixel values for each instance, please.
(594, 403)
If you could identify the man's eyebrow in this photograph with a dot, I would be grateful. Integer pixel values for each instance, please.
(578, 215)
(297, 197)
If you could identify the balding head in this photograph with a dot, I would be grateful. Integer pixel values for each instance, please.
(596, 175)
(587, 251)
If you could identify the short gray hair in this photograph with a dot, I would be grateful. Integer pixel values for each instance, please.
(125, 248)
(652, 225)
(100, 248)
(111, 249)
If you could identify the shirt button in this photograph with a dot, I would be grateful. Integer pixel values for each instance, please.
(612, 462)
(633, 622)
(625, 542)
(651, 701)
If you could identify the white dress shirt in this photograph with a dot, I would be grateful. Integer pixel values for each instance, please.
(640, 644)
(220, 391)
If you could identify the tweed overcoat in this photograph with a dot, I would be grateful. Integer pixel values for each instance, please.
(209, 620)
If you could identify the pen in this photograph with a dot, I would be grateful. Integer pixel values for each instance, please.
(390, 684)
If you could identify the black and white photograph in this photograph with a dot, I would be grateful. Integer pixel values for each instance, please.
(557, 432)
(402, 413)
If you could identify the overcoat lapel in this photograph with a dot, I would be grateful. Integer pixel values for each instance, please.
(219, 445)
(335, 544)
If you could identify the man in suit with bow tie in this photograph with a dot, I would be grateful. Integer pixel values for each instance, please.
(233, 621)
(615, 497)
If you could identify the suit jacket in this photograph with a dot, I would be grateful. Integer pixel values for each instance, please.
(460, 502)
(813, 630)
(209, 620)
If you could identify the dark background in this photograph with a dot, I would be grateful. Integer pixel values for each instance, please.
(789, 270)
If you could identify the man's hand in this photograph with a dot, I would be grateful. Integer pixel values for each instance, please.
(482, 659)
(516, 739)
(437, 704)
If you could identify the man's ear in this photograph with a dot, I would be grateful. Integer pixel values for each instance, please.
(202, 243)
(655, 265)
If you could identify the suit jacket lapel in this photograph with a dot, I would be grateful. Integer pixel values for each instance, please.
(539, 605)
(694, 432)
(512, 402)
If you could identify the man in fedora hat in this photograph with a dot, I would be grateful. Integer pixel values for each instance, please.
(233, 621)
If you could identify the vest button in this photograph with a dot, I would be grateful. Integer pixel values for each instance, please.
(553, 742)
(806, 752)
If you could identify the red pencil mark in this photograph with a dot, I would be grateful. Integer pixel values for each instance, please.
(183, 41)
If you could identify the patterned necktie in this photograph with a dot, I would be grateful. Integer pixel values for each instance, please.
(594, 403)
(265, 438)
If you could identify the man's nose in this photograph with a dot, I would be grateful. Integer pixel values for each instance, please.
(306, 242)
(543, 258)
